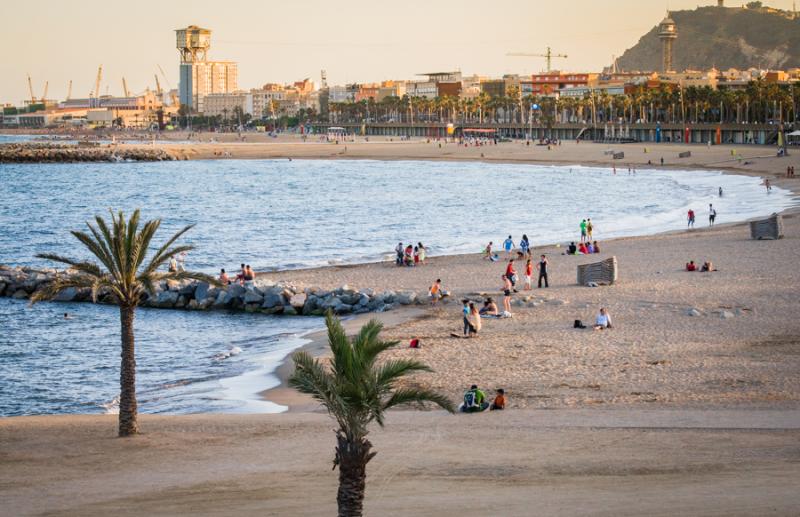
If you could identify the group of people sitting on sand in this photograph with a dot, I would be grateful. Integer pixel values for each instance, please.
(584, 248)
(707, 267)
(410, 255)
(245, 278)
(475, 400)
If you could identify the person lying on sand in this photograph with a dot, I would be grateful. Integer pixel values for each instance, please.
(708, 267)
(474, 401)
(603, 320)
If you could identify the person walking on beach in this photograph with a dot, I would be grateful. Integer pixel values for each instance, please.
(436, 291)
(511, 273)
(508, 245)
(524, 244)
(528, 274)
(712, 214)
(583, 230)
(465, 316)
(507, 286)
(690, 219)
(543, 272)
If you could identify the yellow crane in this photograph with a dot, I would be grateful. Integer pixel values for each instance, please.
(547, 55)
(125, 88)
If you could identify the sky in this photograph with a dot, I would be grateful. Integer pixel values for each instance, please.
(288, 40)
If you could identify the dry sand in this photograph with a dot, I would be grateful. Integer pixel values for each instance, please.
(665, 414)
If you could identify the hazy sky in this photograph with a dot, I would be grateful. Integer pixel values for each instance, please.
(287, 40)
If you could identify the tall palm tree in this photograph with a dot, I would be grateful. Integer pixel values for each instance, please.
(356, 390)
(121, 250)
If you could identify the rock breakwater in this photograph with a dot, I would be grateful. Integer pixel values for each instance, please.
(278, 298)
(66, 153)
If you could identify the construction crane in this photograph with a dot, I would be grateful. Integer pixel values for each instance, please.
(44, 94)
(30, 89)
(97, 81)
(548, 55)
(125, 88)
(158, 85)
(69, 90)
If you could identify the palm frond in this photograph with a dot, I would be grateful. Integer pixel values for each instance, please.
(403, 396)
(161, 256)
(54, 288)
(391, 371)
(83, 267)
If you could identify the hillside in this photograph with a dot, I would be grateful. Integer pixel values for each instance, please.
(724, 38)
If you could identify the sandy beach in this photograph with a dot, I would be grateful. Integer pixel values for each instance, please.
(666, 414)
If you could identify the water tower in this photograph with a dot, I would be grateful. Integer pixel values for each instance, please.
(193, 43)
(667, 33)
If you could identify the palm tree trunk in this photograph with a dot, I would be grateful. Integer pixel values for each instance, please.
(127, 376)
(352, 457)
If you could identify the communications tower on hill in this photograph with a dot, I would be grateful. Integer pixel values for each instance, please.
(667, 33)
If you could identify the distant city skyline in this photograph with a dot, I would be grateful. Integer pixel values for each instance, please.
(357, 41)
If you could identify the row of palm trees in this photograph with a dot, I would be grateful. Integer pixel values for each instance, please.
(759, 102)
(354, 385)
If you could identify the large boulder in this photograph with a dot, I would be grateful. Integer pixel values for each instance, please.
(219, 303)
(166, 299)
(19, 294)
(298, 301)
(67, 295)
(251, 296)
(272, 300)
(406, 297)
(188, 289)
(236, 291)
(201, 291)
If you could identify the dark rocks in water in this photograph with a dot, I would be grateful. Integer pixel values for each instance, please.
(51, 152)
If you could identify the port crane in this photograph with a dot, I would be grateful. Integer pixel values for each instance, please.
(97, 82)
(547, 55)
(44, 94)
(69, 90)
(30, 90)
(125, 88)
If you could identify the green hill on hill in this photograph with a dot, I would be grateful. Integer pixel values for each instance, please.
(724, 38)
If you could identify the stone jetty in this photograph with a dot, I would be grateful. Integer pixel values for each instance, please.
(279, 298)
(50, 152)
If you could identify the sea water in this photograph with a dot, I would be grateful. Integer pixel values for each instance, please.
(281, 214)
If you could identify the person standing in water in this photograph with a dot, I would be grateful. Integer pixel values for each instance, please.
(690, 219)
(768, 185)
(720, 192)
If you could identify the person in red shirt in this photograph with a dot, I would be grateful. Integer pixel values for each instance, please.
(511, 274)
(691, 266)
(690, 219)
(528, 274)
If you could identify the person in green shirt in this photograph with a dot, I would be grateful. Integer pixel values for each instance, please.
(474, 401)
(583, 230)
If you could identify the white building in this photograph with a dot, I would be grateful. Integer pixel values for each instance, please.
(225, 104)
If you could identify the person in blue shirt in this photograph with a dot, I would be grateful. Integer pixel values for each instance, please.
(508, 245)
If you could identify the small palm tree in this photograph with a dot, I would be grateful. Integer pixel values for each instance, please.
(121, 250)
(356, 390)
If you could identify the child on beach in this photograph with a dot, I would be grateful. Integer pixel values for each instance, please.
(528, 274)
(487, 251)
(508, 245)
(436, 291)
(603, 320)
(596, 247)
(499, 402)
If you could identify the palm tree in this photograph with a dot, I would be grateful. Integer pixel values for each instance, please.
(121, 250)
(356, 390)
